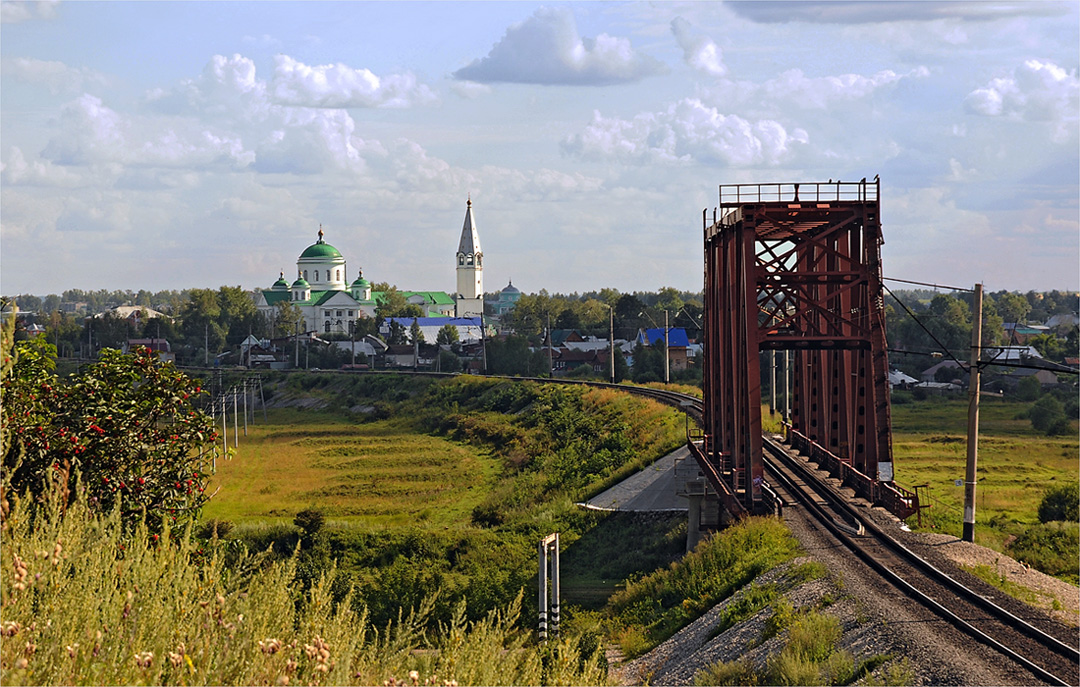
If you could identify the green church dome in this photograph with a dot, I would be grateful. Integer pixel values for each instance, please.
(301, 283)
(320, 249)
(280, 284)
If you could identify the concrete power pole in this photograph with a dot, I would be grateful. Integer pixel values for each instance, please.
(667, 351)
(611, 341)
(973, 416)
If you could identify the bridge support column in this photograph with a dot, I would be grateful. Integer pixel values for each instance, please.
(695, 494)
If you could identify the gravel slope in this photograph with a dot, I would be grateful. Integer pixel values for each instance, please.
(877, 619)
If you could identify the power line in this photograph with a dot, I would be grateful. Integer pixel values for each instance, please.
(922, 326)
(935, 286)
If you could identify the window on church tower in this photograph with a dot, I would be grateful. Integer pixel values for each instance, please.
(337, 275)
(305, 275)
(469, 259)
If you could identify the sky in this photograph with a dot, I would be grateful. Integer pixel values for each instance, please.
(171, 145)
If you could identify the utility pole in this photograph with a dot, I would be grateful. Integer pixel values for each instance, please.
(973, 416)
(611, 341)
(667, 351)
(483, 340)
(551, 365)
(296, 343)
(787, 386)
(772, 382)
(206, 344)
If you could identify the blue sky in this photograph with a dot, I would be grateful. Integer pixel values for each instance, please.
(193, 144)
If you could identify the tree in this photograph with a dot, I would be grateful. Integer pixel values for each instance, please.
(1012, 307)
(447, 336)
(448, 362)
(1061, 502)
(392, 303)
(1048, 415)
(1029, 388)
(621, 368)
(396, 337)
(416, 335)
(127, 430)
(365, 326)
(287, 317)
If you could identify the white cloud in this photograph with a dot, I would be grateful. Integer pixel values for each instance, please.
(15, 11)
(16, 170)
(1035, 91)
(338, 85)
(820, 92)
(54, 75)
(546, 49)
(310, 141)
(832, 12)
(700, 52)
(687, 130)
(91, 133)
(470, 89)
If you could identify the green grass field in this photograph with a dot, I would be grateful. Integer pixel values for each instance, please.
(1016, 465)
(384, 473)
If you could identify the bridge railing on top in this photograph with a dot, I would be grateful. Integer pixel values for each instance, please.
(732, 195)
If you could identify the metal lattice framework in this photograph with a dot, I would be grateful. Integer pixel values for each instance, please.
(798, 267)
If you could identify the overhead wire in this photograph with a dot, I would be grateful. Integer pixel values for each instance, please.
(1059, 368)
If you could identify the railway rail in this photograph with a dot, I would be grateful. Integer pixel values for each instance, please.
(797, 484)
(1041, 653)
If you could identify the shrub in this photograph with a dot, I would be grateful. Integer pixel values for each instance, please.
(128, 427)
(1046, 414)
(1061, 502)
(1029, 389)
(1052, 547)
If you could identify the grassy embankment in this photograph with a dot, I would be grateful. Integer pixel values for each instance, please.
(1016, 466)
(443, 488)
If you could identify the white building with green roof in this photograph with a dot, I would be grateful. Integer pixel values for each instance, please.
(326, 299)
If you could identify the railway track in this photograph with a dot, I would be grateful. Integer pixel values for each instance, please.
(1045, 656)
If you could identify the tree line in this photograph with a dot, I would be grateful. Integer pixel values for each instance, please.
(205, 322)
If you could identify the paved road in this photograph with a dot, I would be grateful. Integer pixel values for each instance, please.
(656, 488)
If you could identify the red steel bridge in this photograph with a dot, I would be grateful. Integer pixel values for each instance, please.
(797, 266)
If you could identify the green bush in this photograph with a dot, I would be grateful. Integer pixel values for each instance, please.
(128, 429)
(1029, 389)
(1046, 414)
(1061, 502)
(1052, 547)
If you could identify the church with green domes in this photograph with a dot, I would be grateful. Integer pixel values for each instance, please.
(328, 302)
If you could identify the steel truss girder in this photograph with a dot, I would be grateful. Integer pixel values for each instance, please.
(804, 277)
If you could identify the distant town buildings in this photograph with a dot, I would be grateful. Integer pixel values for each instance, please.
(328, 302)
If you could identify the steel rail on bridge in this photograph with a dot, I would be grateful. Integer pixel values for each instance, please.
(798, 267)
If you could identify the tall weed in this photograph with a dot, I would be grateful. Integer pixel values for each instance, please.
(83, 603)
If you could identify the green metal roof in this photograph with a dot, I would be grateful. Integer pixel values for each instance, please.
(320, 250)
(431, 297)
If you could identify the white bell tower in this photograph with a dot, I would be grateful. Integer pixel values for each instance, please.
(470, 269)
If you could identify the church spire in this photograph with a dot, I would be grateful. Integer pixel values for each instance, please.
(470, 240)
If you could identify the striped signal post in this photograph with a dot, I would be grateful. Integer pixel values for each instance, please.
(549, 564)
